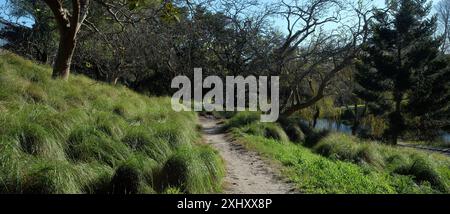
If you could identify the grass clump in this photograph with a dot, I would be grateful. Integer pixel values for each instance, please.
(89, 144)
(189, 171)
(326, 162)
(393, 160)
(242, 119)
(422, 170)
(268, 130)
(83, 136)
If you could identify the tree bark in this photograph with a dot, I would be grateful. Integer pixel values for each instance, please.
(316, 117)
(61, 67)
(69, 26)
(355, 126)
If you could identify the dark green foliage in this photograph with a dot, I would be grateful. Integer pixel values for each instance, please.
(314, 137)
(294, 129)
(401, 74)
(126, 180)
(175, 173)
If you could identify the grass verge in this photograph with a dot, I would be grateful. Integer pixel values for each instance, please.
(337, 163)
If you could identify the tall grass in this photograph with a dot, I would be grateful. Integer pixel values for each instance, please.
(326, 162)
(419, 165)
(84, 136)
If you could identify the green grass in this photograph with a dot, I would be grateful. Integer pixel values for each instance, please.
(337, 163)
(84, 136)
(424, 168)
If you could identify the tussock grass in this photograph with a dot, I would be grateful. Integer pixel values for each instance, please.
(294, 129)
(267, 130)
(84, 136)
(337, 163)
(416, 164)
(241, 119)
(190, 171)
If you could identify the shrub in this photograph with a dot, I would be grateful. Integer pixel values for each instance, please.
(275, 132)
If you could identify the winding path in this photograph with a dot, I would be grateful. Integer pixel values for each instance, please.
(247, 173)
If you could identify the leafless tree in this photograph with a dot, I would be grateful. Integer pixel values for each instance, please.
(443, 12)
(71, 15)
(311, 57)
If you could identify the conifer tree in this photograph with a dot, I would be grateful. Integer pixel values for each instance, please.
(401, 73)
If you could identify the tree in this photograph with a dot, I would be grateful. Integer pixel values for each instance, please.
(310, 56)
(70, 21)
(443, 12)
(36, 41)
(400, 73)
(69, 24)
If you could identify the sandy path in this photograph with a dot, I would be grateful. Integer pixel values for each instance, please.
(247, 173)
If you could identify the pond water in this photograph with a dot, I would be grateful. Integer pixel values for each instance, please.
(324, 124)
(335, 126)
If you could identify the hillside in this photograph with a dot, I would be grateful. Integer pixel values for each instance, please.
(325, 162)
(84, 136)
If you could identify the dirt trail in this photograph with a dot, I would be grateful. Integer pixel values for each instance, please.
(247, 173)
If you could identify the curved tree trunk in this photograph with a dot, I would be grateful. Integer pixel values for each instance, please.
(69, 25)
(61, 67)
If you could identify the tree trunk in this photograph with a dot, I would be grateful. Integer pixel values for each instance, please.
(69, 25)
(61, 67)
(396, 120)
(316, 117)
(355, 120)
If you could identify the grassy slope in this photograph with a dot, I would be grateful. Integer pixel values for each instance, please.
(89, 137)
(341, 164)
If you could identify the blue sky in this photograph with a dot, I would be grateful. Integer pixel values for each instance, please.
(4, 15)
(277, 22)
(281, 24)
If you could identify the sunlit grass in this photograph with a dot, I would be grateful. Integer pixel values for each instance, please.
(84, 136)
(338, 163)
